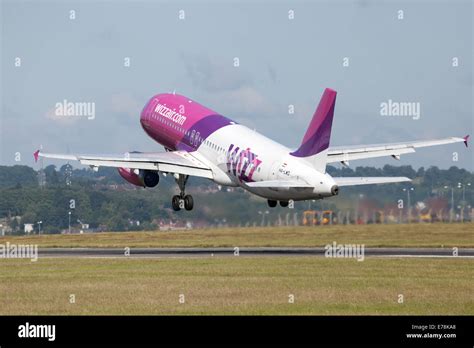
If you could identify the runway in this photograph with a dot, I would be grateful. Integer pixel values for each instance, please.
(253, 252)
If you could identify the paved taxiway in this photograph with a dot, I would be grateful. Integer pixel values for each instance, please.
(209, 252)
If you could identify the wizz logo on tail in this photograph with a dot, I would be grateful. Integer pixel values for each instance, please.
(242, 163)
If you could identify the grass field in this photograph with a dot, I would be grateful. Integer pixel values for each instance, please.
(237, 285)
(245, 285)
(410, 235)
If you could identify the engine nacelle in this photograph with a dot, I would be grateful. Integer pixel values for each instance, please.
(150, 177)
(139, 177)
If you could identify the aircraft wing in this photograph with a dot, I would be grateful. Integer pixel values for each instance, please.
(352, 181)
(345, 154)
(179, 162)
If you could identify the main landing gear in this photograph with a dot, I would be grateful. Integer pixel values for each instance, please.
(182, 201)
(273, 204)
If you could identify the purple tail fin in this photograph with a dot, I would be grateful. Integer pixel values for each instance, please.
(318, 134)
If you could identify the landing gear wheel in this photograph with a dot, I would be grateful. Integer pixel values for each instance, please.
(182, 200)
(175, 203)
(284, 204)
(188, 202)
(272, 204)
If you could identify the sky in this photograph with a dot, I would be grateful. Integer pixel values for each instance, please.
(117, 55)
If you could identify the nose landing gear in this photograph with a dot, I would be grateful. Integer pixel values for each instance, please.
(182, 201)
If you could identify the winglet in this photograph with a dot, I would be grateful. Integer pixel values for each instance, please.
(465, 139)
(36, 155)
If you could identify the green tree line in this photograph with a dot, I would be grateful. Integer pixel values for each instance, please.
(103, 199)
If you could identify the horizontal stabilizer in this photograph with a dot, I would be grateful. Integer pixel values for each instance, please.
(368, 180)
(278, 184)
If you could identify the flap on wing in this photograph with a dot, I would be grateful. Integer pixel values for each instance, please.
(180, 162)
(352, 181)
(278, 184)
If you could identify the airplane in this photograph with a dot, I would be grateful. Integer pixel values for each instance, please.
(200, 142)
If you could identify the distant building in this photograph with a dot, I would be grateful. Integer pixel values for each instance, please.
(6, 224)
(29, 228)
(174, 226)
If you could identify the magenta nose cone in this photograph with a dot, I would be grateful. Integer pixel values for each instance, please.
(143, 114)
(146, 110)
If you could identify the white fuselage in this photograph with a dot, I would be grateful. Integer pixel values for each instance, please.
(238, 154)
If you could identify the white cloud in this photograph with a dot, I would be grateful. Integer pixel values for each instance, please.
(125, 103)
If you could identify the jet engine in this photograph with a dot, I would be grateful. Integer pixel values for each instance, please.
(150, 177)
(140, 177)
